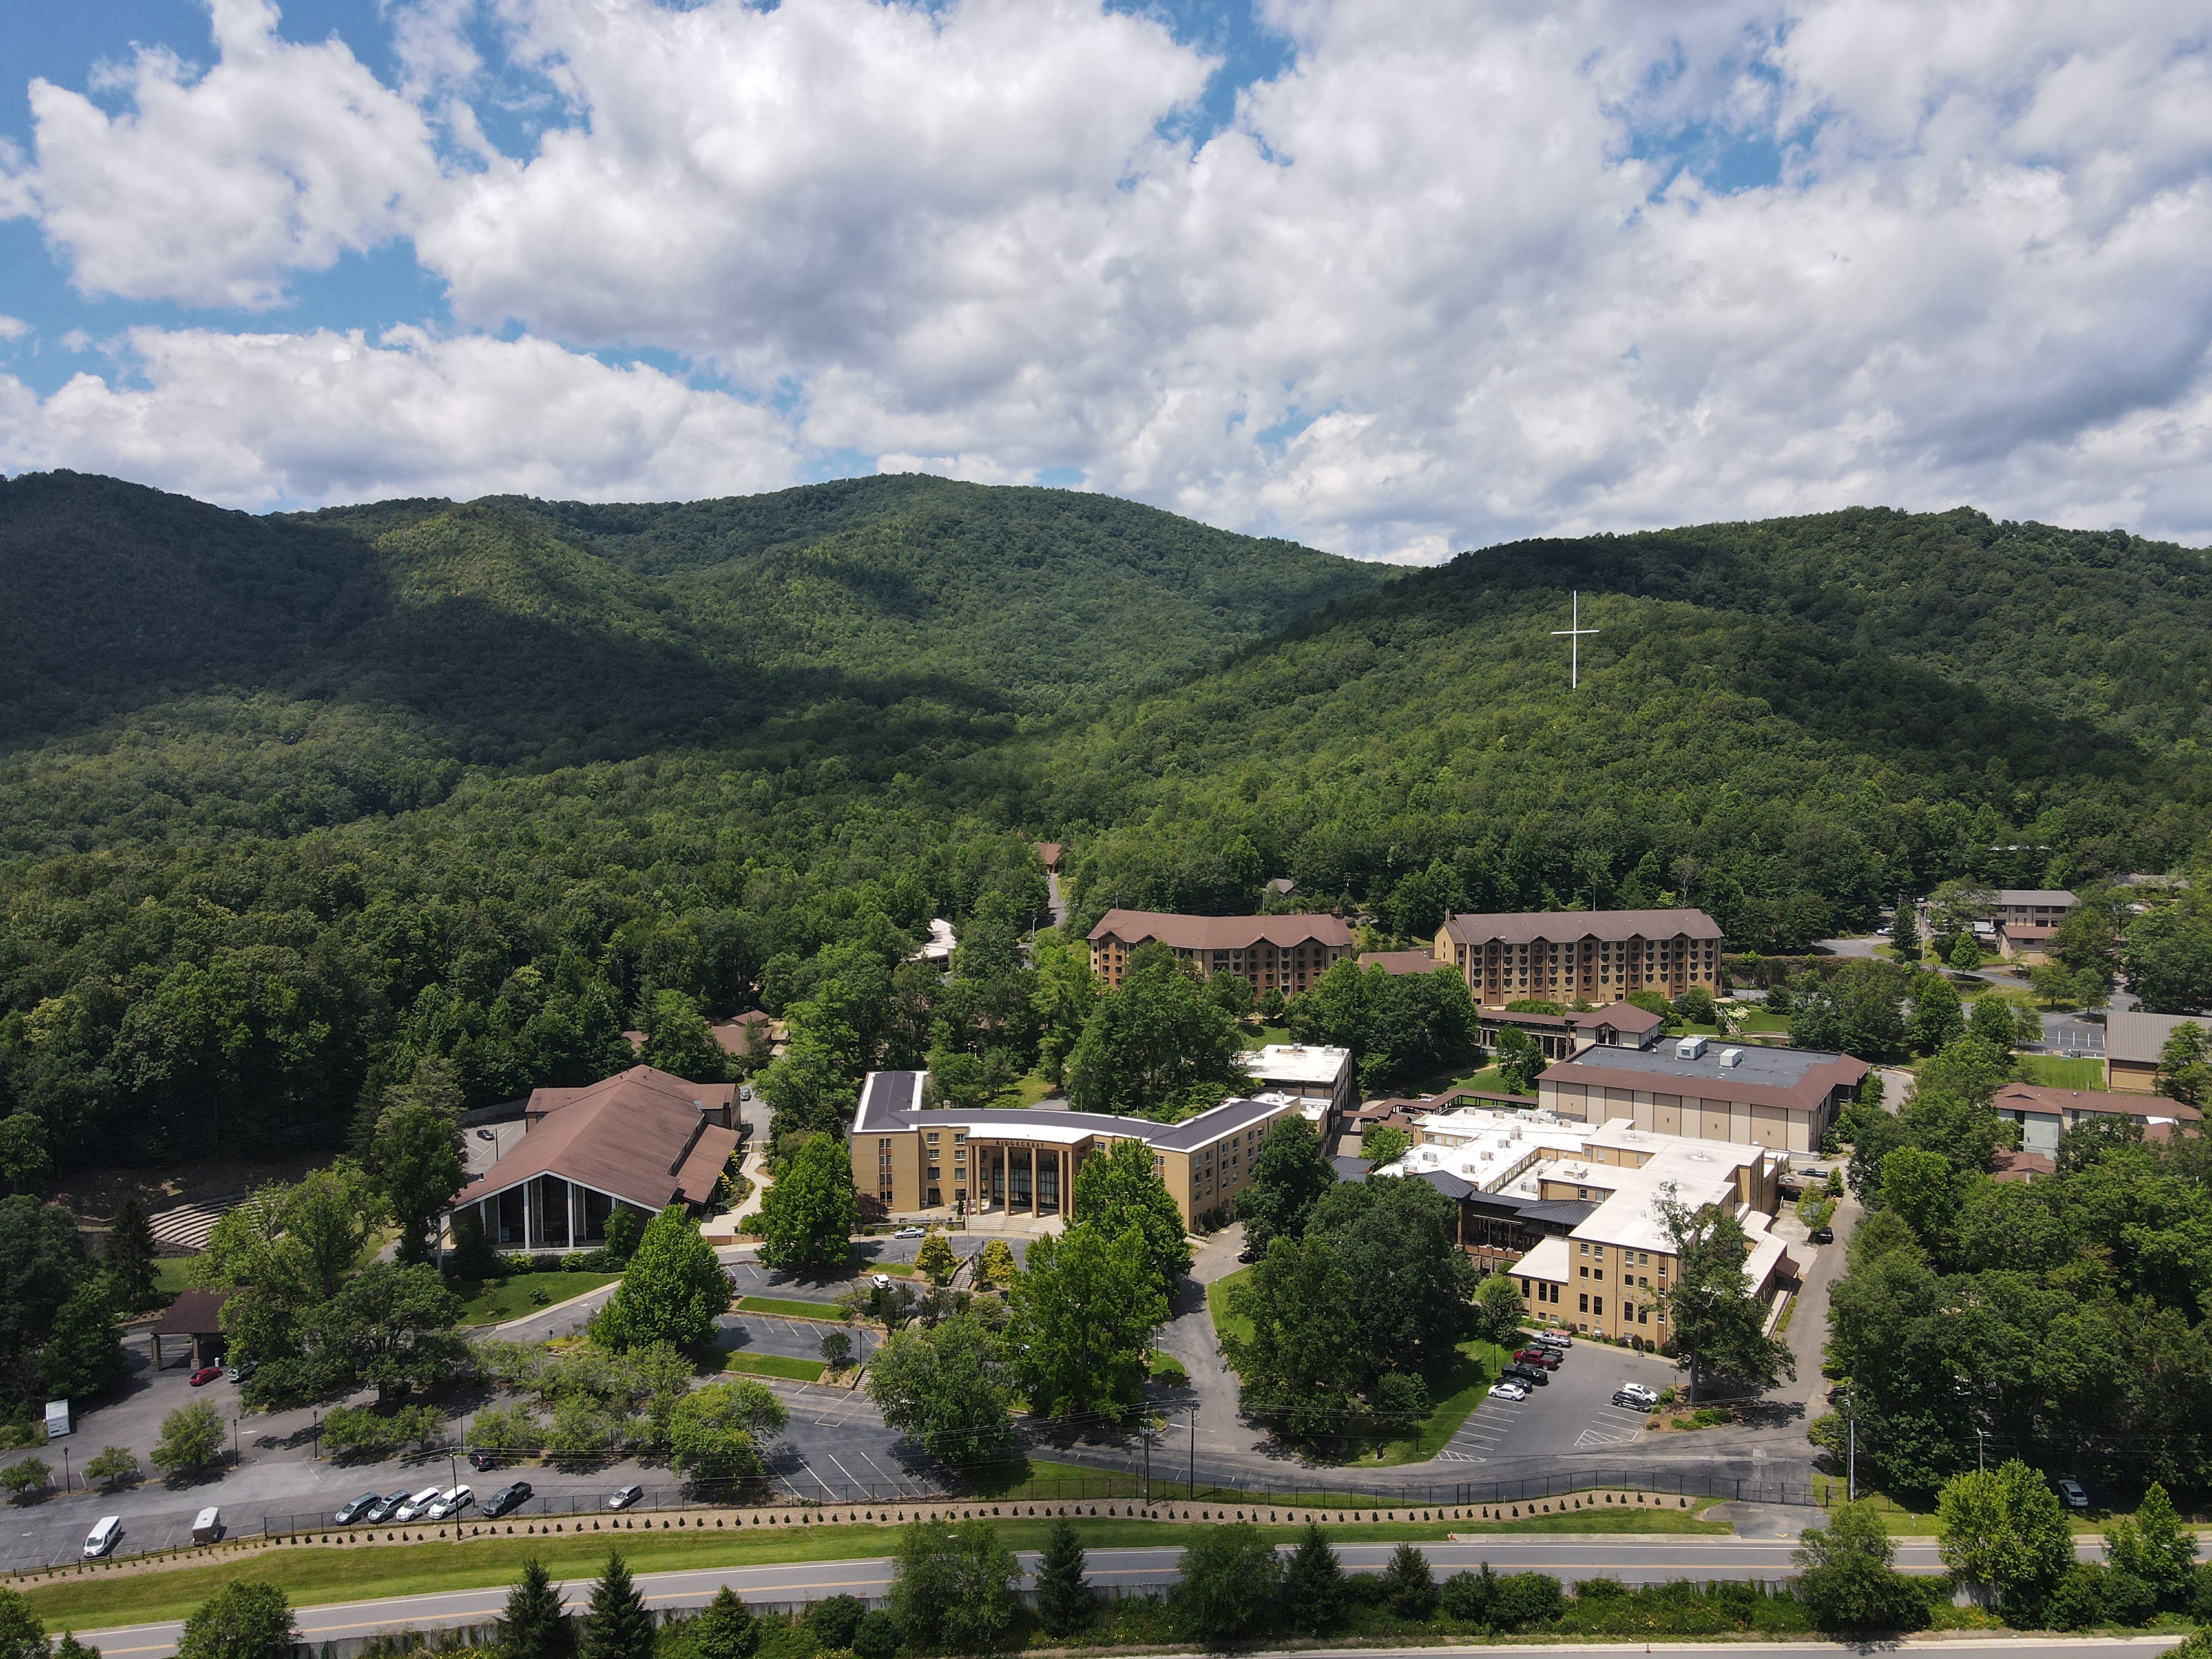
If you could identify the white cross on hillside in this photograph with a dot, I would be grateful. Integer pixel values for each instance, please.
(1572, 633)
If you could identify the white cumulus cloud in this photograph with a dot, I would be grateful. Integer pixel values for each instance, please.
(1466, 269)
(255, 420)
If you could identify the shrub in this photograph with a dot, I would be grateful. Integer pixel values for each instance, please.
(836, 1620)
(1469, 1596)
(876, 1637)
(2078, 1602)
(1523, 1599)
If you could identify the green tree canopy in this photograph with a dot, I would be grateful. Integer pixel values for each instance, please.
(953, 1590)
(1718, 1325)
(678, 1041)
(947, 1387)
(672, 1291)
(1154, 1045)
(1289, 1176)
(715, 1432)
(1118, 1190)
(243, 1619)
(808, 1216)
(1082, 1310)
(1063, 1599)
(415, 1154)
(192, 1436)
(1847, 1580)
(1230, 1575)
(535, 1624)
(2002, 1529)
(616, 1624)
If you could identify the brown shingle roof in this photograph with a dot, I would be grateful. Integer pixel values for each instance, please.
(194, 1313)
(1219, 933)
(2037, 1097)
(631, 1136)
(1522, 928)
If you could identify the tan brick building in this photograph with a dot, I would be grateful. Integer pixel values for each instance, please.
(1599, 956)
(1285, 952)
(910, 1158)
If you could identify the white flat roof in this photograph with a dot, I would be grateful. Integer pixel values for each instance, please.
(1701, 1172)
(1294, 1062)
(1487, 1149)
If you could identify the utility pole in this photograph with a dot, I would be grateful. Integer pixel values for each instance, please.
(1851, 1418)
(1981, 1447)
(1193, 1452)
(1147, 1437)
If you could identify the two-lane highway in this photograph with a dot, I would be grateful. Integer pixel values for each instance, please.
(1632, 1558)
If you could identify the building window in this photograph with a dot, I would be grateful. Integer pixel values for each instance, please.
(1585, 1303)
(1598, 1306)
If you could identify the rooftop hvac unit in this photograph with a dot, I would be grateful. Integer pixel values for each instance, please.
(1690, 1048)
(1731, 1057)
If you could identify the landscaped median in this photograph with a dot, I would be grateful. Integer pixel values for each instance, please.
(313, 1571)
(828, 1311)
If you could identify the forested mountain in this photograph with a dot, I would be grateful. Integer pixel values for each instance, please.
(1787, 723)
(505, 633)
(289, 804)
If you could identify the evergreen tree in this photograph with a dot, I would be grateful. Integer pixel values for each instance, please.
(616, 1625)
(1063, 1599)
(22, 1634)
(83, 1356)
(69, 1648)
(725, 1628)
(1313, 1582)
(1904, 934)
(1408, 1585)
(129, 1262)
(414, 1153)
(536, 1623)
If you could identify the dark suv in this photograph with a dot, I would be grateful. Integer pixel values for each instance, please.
(507, 1499)
(1535, 1376)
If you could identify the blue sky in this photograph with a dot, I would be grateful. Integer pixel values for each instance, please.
(1392, 276)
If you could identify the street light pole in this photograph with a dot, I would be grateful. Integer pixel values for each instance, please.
(1851, 1416)
(1981, 1448)
(1193, 1452)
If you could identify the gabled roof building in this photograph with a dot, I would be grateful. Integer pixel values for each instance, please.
(1596, 954)
(641, 1137)
(1286, 953)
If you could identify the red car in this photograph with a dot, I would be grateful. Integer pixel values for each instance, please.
(1543, 1357)
(205, 1375)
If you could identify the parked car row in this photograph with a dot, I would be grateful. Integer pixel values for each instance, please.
(1532, 1366)
(431, 1503)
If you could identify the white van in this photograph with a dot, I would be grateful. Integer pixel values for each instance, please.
(101, 1539)
(415, 1506)
(207, 1525)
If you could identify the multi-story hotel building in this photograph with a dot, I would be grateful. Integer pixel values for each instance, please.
(1597, 956)
(1574, 1213)
(910, 1156)
(1286, 953)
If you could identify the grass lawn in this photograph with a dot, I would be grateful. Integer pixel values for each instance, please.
(2054, 1071)
(776, 1304)
(1224, 1322)
(316, 1576)
(490, 1301)
(170, 1274)
(774, 1365)
(1032, 1088)
(1763, 1021)
(1451, 1398)
(1265, 1036)
(1490, 1080)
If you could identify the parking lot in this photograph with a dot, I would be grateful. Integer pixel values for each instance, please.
(1574, 1412)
